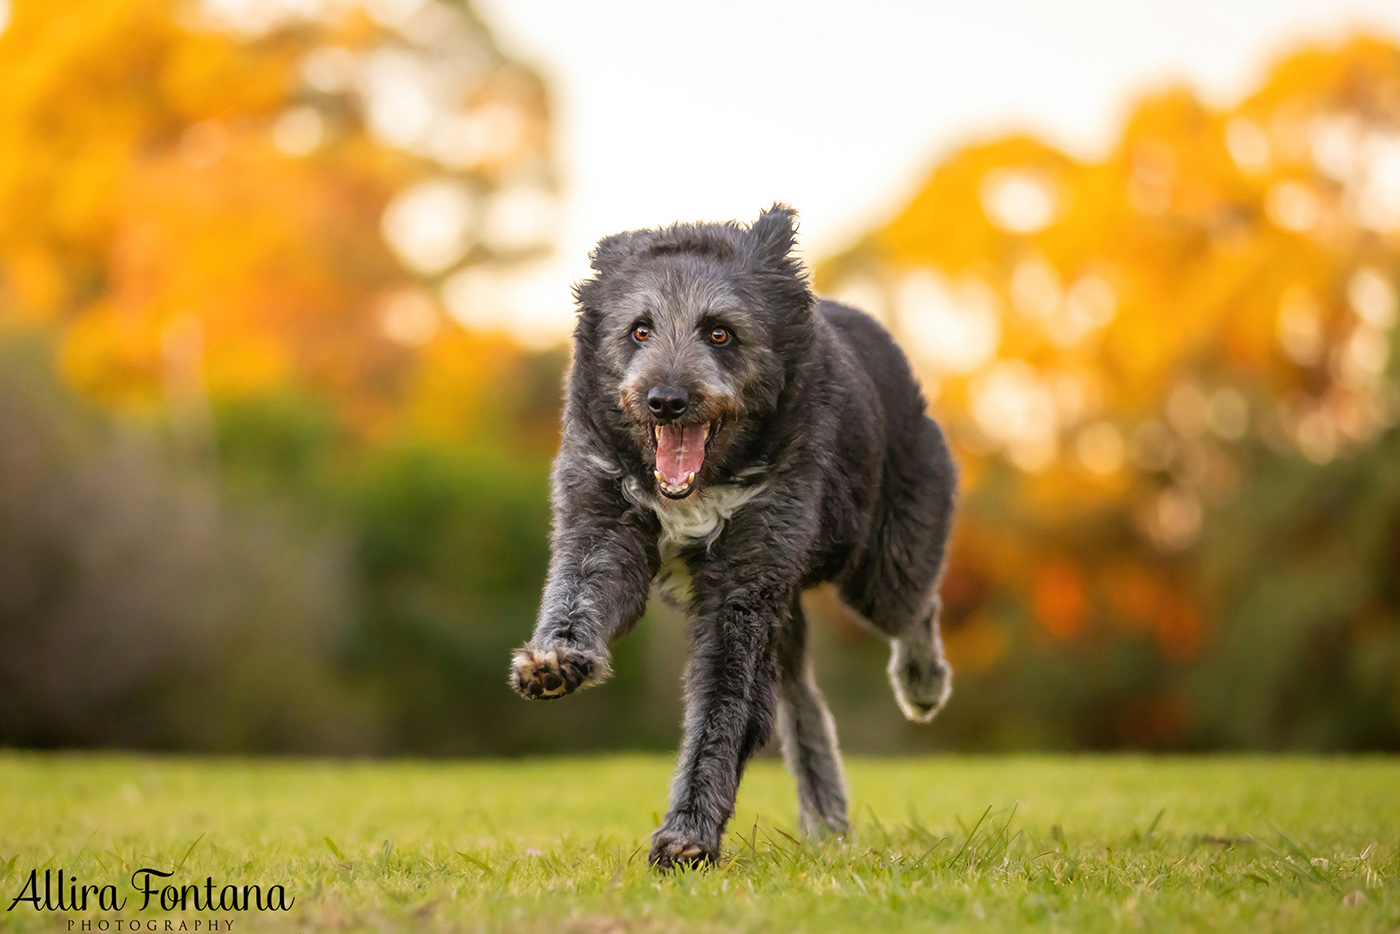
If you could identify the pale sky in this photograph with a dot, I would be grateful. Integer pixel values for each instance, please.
(686, 110)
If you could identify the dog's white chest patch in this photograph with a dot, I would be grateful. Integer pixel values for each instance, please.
(672, 583)
(700, 518)
(695, 520)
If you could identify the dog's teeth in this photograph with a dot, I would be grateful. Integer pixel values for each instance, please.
(659, 478)
(690, 478)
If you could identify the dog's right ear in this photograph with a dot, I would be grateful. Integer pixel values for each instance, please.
(604, 258)
(611, 250)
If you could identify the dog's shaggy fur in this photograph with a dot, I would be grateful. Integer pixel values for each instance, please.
(733, 440)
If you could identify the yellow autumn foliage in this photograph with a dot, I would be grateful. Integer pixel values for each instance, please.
(193, 207)
(1107, 339)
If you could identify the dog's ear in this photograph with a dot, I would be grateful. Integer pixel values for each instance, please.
(774, 234)
(605, 257)
(771, 239)
(611, 250)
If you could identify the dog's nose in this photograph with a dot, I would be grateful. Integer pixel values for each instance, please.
(667, 402)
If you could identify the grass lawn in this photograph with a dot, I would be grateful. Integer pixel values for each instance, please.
(1055, 843)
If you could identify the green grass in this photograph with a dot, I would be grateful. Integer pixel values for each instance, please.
(1069, 844)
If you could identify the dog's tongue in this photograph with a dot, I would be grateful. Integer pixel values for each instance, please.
(680, 451)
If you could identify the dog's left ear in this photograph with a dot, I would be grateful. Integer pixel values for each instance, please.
(771, 239)
(774, 234)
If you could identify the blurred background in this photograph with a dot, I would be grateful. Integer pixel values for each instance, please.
(284, 314)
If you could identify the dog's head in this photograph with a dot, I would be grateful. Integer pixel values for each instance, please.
(693, 331)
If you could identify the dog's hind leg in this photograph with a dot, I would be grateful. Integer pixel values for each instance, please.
(895, 585)
(808, 736)
(920, 676)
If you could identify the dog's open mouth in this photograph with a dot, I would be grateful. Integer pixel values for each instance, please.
(680, 455)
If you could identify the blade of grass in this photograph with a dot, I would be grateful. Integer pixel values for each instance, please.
(970, 836)
(475, 862)
(184, 858)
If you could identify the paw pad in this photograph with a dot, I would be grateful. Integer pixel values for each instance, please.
(549, 673)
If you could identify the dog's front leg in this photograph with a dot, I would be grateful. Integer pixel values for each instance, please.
(731, 694)
(601, 565)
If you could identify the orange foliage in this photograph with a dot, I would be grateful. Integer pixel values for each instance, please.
(152, 215)
(1059, 600)
(1107, 341)
(976, 645)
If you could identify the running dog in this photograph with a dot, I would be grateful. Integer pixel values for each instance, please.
(732, 439)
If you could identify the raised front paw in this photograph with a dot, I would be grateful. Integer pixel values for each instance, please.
(674, 847)
(546, 672)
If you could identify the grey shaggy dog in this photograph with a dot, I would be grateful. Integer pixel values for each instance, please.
(733, 440)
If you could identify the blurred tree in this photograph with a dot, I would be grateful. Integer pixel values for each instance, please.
(136, 611)
(1169, 375)
(1128, 354)
(239, 221)
(242, 195)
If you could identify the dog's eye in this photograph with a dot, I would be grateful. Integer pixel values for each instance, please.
(640, 333)
(719, 336)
